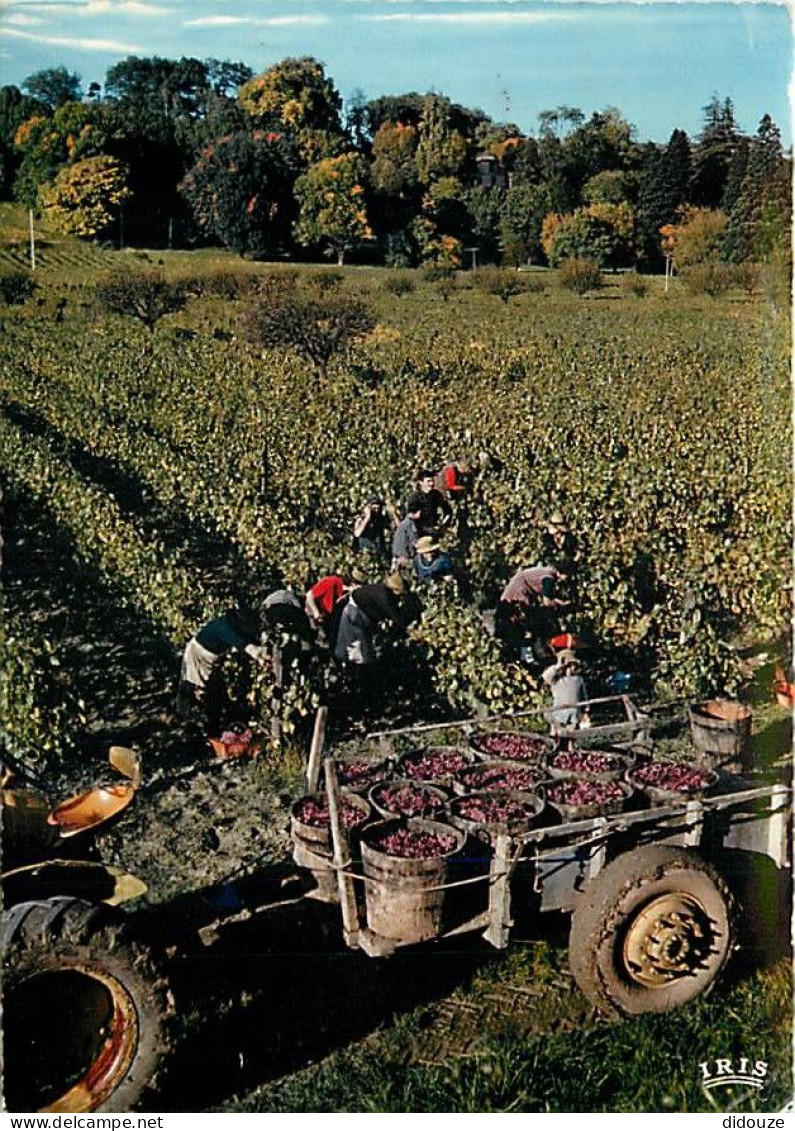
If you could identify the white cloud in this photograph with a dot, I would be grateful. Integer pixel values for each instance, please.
(217, 21)
(76, 44)
(254, 21)
(122, 7)
(93, 7)
(479, 18)
(18, 19)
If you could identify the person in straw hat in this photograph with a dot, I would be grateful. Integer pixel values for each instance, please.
(356, 648)
(431, 563)
(559, 544)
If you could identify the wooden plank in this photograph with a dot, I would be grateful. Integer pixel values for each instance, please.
(276, 697)
(478, 721)
(342, 857)
(499, 895)
(316, 750)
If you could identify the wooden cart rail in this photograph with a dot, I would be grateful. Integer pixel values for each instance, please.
(633, 716)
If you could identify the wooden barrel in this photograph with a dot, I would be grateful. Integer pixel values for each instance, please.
(485, 828)
(587, 810)
(721, 733)
(403, 897)
(312, 846)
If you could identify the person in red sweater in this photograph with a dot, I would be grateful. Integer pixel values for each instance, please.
(455, 478)
(323, 603)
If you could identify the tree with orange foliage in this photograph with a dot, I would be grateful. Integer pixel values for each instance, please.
(332, 206)
(696, 237)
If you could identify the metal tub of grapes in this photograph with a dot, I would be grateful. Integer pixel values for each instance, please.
(642, 855)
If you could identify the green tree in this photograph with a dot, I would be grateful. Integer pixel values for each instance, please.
(526, 164)
(611, 186)
(760, 214)
(240, 191)
(663, 190)
(605, 141)
(484, 220)
(15, 108)
(523, 212)
(297, 96)
(442, 150)
(603, 233)
(738, 166)
(556, 123)
(332, 204)
(85, 197)
(53, 86)
(712, 154)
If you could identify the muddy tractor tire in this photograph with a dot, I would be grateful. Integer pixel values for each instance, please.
(84, 1010)
(651, 932)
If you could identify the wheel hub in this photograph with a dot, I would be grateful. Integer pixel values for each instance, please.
(670, 938)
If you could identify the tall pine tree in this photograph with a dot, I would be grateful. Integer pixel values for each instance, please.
(759, 217)
(713, 153)
(663, 189)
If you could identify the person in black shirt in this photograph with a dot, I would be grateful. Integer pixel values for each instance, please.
(371, 527)
(369, 608)
(380, 602)
(435, 511)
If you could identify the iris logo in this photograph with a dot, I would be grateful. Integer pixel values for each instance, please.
(727, 1073)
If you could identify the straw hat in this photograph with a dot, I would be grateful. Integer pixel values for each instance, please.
(396, 583)
(556, 521)
(426, 545)
(567, 656)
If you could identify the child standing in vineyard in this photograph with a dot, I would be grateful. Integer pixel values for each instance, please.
(565, 681)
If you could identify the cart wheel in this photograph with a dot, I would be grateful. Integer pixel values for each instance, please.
(84, 1010)
(651, 932)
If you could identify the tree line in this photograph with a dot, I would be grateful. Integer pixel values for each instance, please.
(189, 152)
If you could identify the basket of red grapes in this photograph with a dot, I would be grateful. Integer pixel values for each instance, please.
(435, 764)
(579, 800)
(415, 839)
(357, 774)
(667, 781)
(592, 765)
(310, 819)
(512, 746)
(403, 797)
(500, 811)
(490, 776)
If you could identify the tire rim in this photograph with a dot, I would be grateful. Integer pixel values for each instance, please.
(84, 1025)
(669, 939)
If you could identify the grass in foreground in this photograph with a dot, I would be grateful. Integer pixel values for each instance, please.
(646, 1065)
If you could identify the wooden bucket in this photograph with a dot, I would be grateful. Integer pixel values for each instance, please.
(721, 733)
(404, 898)
(312, 847)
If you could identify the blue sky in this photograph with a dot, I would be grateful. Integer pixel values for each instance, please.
(657, 62)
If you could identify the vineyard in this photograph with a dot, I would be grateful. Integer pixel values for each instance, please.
(152, 478)
(189, 467)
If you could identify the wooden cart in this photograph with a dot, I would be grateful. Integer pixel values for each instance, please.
(653, 893)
